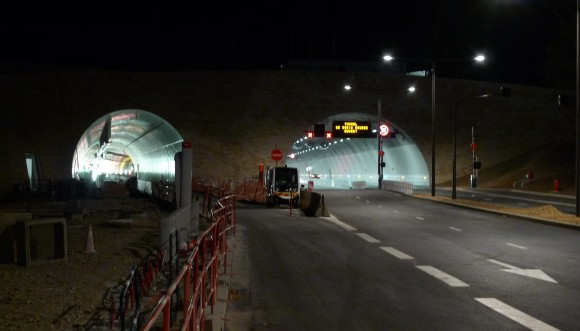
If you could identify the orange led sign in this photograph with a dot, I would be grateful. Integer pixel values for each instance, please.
(352, 129)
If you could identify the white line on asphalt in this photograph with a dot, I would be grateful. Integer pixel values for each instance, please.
(515, 315)
(455, 229)
(397, 253)
(368, 238)
(367, 201)
(358, 197)
(419, 218)
(380, 206)
(335, 220)
(446, 278)
(516, 246)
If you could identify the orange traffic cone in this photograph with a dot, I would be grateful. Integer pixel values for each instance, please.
(90, 245)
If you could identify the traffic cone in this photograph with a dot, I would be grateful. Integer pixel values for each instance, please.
(90, 245)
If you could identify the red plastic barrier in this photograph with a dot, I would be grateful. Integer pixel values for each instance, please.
(199, 289)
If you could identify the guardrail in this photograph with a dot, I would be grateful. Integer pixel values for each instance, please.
(398, 186)
(196, 283)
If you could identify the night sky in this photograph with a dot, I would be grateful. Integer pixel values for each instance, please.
(529, 42)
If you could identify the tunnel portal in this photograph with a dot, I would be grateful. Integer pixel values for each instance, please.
(338, 163)
(128, 143)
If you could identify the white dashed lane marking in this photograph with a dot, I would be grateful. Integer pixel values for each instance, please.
(516, 246)
(333, 219)
(446, 278)
(419, 218)
(455, 229)
(516, 315)
(397, 253)
(368, 238)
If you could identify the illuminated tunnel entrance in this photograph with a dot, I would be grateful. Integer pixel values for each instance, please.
(128, 143)
(339, 162)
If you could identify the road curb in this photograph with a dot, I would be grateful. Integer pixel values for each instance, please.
(502, 213)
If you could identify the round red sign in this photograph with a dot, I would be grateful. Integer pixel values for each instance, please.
(276, 155)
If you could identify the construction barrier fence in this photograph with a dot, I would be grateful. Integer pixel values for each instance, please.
(196, 283)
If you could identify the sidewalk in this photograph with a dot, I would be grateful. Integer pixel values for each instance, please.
(232, 311)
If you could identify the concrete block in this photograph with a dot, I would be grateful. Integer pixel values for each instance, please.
(41, 241)
(7, 235)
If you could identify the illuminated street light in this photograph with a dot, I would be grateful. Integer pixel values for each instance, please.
(478, 58)
(410, 89)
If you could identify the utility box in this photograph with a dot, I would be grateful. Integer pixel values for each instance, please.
(41, 241)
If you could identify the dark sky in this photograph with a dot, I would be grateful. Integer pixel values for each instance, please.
(528, 42)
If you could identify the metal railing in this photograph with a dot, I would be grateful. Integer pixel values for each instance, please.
(196, 283)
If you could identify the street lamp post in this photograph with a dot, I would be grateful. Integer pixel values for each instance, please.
(577, 108)
(478, 58)
(455, 105)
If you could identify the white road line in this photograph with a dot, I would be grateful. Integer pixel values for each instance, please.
(419, 218)
(368, 238)
(380, 206)
(367, 201)
(516, 315)
(455, 229)
(516, 246)
(397, 253)
(446, 278)
(335, 220)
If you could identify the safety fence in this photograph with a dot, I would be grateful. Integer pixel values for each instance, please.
(195, 286)
(126, 310)
(249, 189)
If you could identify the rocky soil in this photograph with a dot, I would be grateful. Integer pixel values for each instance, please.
(76, 295)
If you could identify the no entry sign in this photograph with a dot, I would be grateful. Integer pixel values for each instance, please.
(276, 155)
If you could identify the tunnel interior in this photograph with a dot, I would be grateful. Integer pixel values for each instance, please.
(127, 143)
(339, 163)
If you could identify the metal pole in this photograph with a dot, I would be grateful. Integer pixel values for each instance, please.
(454, 190)
(379, 158)
(577, 107)
(433, 127)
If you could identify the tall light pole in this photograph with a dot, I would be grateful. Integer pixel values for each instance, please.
(455, 105)
(380, 155)
(478, 58)
(577, 108)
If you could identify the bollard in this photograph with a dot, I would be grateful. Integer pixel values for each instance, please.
(556, 185)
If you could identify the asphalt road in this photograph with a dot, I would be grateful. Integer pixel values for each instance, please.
(385, 261)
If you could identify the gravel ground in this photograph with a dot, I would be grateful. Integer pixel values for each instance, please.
(75, 295)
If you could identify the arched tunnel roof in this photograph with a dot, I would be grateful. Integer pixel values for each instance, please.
(338, 162)
(127, 142)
